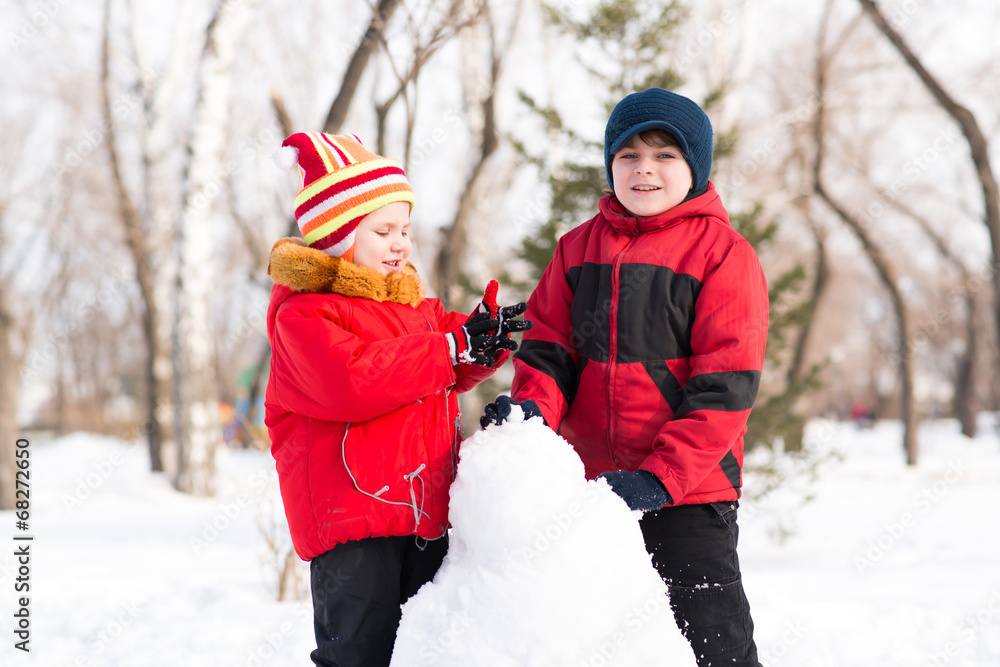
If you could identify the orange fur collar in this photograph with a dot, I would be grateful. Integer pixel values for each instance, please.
(304, 269)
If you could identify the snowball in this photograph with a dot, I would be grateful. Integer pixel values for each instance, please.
(544, 568)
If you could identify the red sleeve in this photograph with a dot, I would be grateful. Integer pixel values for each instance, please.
(323, 371)
(727, 355)
(545, 367)
(468, 375)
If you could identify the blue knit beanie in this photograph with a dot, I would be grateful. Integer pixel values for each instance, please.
(659, 109)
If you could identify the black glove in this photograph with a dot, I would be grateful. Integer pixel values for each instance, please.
(508, 324)
(504, 315)
(641, 490)
(472, 342)
(498, 411)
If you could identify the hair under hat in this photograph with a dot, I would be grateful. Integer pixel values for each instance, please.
(342, 182)
(659, 109)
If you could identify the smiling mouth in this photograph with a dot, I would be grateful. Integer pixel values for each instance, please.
(394, 263)
(645, 188)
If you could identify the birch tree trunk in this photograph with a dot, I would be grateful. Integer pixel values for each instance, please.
(198, 420)
(157, 209)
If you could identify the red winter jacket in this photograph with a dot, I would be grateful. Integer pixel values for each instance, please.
(362, 400)
(648, 345)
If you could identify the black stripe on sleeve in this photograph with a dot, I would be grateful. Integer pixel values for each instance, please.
(553, 360)
(728, 391)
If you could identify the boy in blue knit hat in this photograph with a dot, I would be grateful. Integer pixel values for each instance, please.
(646, 354)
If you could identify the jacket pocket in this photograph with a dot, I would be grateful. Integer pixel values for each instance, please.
(379, 453)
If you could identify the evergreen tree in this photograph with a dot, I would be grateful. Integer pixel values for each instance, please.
(774, 415)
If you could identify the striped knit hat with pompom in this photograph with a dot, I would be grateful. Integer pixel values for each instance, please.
(342, 182)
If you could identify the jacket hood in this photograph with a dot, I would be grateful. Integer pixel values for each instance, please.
(706, 205)
(299, 268)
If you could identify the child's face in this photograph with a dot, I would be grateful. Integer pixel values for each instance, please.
(382, 242)
(650, 179)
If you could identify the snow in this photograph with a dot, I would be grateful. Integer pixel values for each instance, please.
(878, 564)
(544, 568)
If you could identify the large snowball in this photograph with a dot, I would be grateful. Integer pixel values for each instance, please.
(545, 568)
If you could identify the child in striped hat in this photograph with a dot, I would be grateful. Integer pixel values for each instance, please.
(362, 398)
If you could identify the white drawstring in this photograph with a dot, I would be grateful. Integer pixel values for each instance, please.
(418, 510)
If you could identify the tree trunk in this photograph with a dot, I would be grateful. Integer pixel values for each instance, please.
(158, 210)
(966, 372)
(9, 385)
(905, 361)
(135, 238)
(796, 370)
(199, 416)
(454, 241)
(978, 144)
(356, 67)
(966, 408)
(881, 263)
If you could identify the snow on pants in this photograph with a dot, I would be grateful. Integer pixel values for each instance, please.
(694, 550)
(357, 590)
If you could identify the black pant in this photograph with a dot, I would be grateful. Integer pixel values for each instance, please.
(694, 550)
(357, 590)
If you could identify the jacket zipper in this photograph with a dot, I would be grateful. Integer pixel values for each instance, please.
(613, 345)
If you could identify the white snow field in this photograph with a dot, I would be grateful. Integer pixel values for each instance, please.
(877, 564)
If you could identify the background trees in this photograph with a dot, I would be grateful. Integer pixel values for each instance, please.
(138, 204)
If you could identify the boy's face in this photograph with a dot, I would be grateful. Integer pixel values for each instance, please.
(650, 179)
(382, 242)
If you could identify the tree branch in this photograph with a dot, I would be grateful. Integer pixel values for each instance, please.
(358, 63)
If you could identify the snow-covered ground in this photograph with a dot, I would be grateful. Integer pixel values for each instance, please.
(861, 562)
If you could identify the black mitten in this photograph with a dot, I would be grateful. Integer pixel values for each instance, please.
(641, 490)
(498, 411)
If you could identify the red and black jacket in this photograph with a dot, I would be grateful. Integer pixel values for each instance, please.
(648, 345)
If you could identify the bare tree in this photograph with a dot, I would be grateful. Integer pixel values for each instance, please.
(976, 138)
(821, 280)
(454, 237)
(198, 426)
(357, 65)
(15, 323)
(149, 212)
(167, 223)
(966, 371)
(883, 266)
(136, 240)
